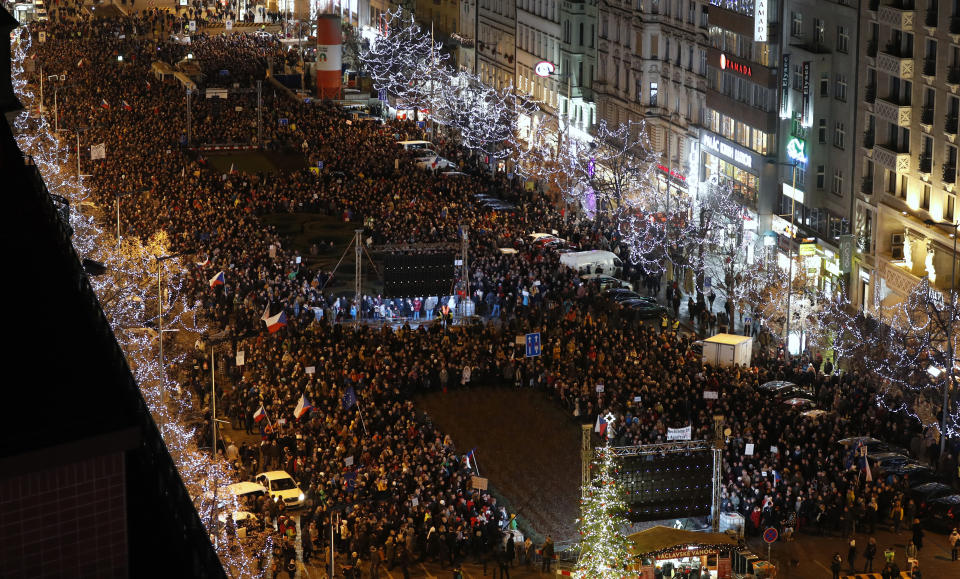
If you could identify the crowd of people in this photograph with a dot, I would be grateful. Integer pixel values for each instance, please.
(390, 484)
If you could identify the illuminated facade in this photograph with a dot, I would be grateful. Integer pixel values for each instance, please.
(907, 166)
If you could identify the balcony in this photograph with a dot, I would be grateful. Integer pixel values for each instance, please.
(953, 75)
(949, 173)
(898, 15)
(930, 67)
(892, 111)
(868, 139)
(930, 21)
(950, 125)
(870, 93)
(926, 164)
(892, 157)
(893, 60)
(872, 48)
(926, 117)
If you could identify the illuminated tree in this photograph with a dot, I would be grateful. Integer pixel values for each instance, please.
(604, 549)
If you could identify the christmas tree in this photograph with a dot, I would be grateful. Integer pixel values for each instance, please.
(603, 549)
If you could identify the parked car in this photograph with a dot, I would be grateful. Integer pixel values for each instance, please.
(607, 281)
(644, 308)
(282, 487)
(928, 491)
(941, 514)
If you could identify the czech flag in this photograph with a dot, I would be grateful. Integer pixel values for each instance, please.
(217, 280)
(601, 425)
(274, 323)
(104, 103)
(127, 106)
(260, 414)
(303, 406)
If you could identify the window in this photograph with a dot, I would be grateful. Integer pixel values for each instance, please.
(824, 84)
(843, 39)
(838, 181)
(949, 206)
(798, 76)
(925, 202)
(820, 177)
(703, 62)
(839, 135)
(691, 11)
(653, 94)
(822, 132)
(818, 28)
(654, 46)
(796, 24)
(639, 94)
(841, 90)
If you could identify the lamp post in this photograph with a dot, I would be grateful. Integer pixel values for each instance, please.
(951, 311)
(163, 367)
(793, 214)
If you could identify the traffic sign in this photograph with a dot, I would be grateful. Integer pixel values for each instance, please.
(770, 535)
(533, 345)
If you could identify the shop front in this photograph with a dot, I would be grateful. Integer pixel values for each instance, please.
(667, 552)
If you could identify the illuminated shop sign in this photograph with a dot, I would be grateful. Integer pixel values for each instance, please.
(797, 150)
(760, 21)
(672, 173)
(729, 151)
(738, 67)
(544, 68)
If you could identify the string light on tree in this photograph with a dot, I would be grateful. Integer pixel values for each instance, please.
(604, 551)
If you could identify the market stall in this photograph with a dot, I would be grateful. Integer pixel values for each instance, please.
(667, 552)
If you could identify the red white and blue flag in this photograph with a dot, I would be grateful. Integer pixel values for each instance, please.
(303, 406)
(274, 323)
(127, 106)
(260, 414)
(601, 425)
(104, 103)
(217, 280)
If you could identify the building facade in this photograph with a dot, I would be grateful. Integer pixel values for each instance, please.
(816, 147)
(496, 56)
(907, 170)
(651, 62)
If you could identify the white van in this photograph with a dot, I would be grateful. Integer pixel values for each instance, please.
(411, 145)
(581, 261)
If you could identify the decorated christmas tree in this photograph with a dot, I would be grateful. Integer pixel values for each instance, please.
(603, 548)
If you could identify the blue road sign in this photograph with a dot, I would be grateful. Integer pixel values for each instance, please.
(320, 165)
(383, 94)
(770, 535)
(533, 345)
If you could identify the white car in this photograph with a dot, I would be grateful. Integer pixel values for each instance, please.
(435, 162)
(281, 486)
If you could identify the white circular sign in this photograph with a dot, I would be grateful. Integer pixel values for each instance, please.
(723, 61)
(544, 68)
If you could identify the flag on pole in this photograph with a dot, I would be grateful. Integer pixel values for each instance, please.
(79, 63)
(303, 406)
(349, 398)
(217, 280)
(127, 106)
(260, 414)
(601, 425)
(266, 314)
(104, 103)
(148, 85)
(471, 459)
(276, 322)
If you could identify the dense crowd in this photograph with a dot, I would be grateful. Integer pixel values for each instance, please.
(405, 492)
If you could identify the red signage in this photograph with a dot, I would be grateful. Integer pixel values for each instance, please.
(672, 173)
(738, 67)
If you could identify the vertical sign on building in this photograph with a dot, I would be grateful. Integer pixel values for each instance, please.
(329, 72)
(785, 87)
(760, 21)
(805, 111)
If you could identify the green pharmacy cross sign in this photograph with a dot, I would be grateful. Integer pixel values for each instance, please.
(796, 150)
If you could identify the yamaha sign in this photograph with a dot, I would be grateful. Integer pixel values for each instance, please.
(544, 68)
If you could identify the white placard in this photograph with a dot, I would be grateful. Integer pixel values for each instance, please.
(192, 26)
(414, 501)
(348, 461)
(599, 387)
(98, 151)
(310, 370)
(521, 341)
(774, 450)
(637, 398)
(711, 395)
(748, 451)
(684, 433)
(273, 250)
(228, 24)
(241, 357)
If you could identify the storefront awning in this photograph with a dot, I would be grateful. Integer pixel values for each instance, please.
(666, 542)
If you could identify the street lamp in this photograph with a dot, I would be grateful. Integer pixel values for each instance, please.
(163, 367)
(793, 214)
(952, 310)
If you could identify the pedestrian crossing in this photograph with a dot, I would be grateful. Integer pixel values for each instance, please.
(903, 575)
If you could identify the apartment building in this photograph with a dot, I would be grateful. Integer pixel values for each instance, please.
(907, 167)
(578, 63)
(496, 54)
(538, 40)
(652, 65)
(817, 146)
